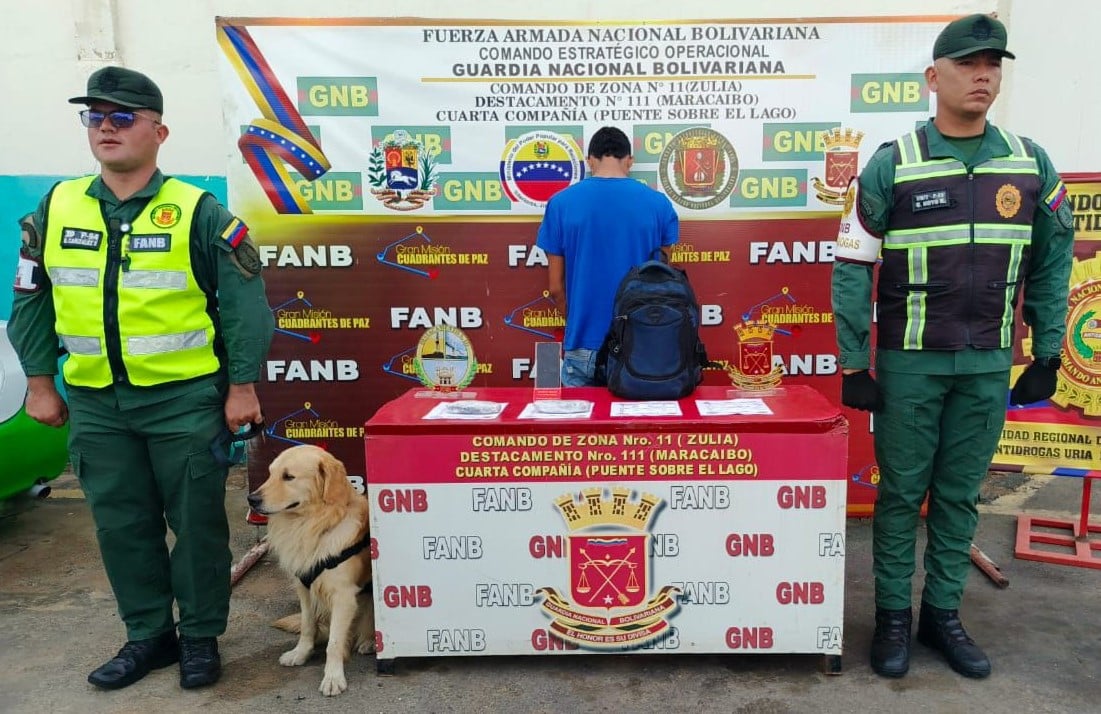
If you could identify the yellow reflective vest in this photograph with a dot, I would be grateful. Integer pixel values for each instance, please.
(128, 309)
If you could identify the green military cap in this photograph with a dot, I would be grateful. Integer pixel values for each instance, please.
(969, 35)
(123, 87)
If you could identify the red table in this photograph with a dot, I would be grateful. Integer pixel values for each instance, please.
(685, 533)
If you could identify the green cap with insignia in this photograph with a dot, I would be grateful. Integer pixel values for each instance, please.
(969, 35)
(123, 87)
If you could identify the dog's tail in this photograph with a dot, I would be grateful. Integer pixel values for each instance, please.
(293, 623)
(290, 623)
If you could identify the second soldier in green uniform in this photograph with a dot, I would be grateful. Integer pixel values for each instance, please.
(969, 216)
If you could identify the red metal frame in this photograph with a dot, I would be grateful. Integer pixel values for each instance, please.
(1083, 540)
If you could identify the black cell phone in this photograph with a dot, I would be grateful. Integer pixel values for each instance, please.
(548, 365)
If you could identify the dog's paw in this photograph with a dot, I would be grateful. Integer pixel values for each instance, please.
(295, 657)
(366, 647)
(333, 684)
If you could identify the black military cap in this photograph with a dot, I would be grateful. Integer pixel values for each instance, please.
(123, 87)
(969, 35)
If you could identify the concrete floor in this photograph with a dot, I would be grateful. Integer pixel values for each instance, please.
(58, 622)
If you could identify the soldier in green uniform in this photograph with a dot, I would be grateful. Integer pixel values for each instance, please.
(967, 217)
(154, 290)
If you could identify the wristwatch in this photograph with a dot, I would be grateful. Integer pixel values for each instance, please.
(1050, 362)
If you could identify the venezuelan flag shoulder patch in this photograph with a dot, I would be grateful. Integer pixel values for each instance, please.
(1055, 198)
(235, 232)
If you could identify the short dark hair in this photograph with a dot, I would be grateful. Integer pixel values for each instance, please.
(609, 141)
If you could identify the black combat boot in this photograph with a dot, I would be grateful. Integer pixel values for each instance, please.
(135, 660)
(943, 631)
(891, 642)
(200, 663)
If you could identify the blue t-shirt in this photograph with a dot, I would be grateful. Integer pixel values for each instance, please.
(602, 227)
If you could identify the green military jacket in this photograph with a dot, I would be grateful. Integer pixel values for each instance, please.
(231, 277)
(1047, 275)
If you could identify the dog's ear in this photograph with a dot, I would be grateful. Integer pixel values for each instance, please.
(335, 478)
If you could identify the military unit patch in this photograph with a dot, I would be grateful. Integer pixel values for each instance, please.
(165, 215)
(1008, 200)
(31, 239)
(247, 258)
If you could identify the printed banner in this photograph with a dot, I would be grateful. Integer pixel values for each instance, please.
(394, 172)
(1062, 436)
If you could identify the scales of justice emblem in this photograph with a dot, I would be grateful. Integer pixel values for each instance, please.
(610, 603)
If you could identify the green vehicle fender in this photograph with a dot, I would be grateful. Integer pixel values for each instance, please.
(30, 452)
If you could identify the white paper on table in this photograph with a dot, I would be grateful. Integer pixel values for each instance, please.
(582, 409)
(645, 409)
(479, 411)
(725, 407)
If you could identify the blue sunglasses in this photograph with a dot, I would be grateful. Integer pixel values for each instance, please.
(119, 119)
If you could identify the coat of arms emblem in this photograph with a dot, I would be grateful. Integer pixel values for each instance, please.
(401, 173)
(842, 164)
(698, 168)
(610, 602)
(754, 370)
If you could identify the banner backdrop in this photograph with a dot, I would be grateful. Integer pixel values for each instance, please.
(1063, 436)
(393, 173)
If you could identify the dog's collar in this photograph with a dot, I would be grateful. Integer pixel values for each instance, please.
(332, 561)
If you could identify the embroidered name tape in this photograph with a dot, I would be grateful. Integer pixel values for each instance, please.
(928, 200)
(81, 238)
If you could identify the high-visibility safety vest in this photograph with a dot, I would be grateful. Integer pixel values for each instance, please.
(956, 247)
(127, 306)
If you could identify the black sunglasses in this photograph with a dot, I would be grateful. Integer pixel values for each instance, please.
(119, 119)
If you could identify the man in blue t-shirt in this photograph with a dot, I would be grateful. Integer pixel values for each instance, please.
(594, 232)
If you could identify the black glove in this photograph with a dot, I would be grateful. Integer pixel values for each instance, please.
(1036, 383)
(859, 391)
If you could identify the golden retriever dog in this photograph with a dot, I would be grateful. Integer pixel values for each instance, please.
(318, 529)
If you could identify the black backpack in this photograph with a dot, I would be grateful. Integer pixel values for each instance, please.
(653, 348)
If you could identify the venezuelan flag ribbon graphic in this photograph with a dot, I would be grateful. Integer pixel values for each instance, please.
(281, 136)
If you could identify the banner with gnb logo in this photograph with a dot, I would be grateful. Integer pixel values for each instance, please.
(394, 172)
(371, 117)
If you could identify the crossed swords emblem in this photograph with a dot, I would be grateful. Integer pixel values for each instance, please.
(600, 566)
(756, 360)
